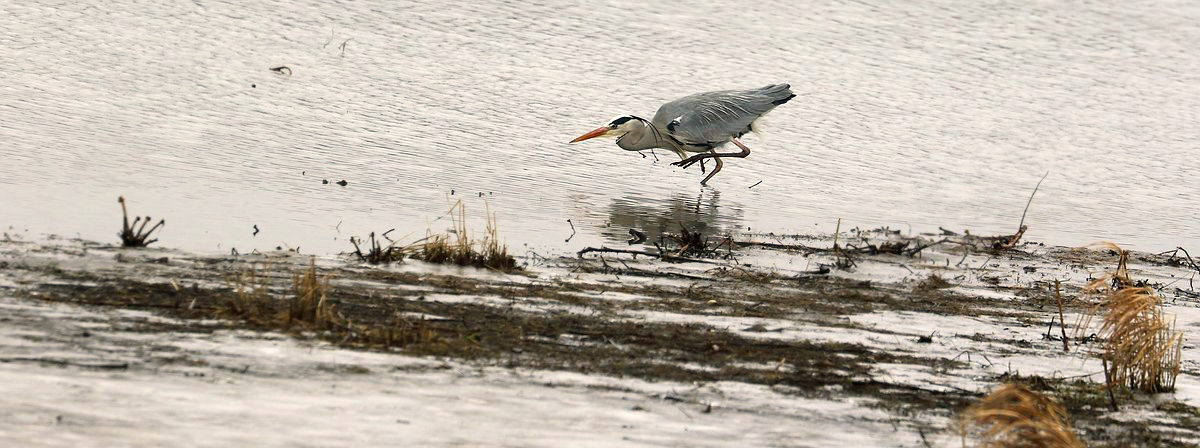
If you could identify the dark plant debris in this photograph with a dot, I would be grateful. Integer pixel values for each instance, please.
(136, 238)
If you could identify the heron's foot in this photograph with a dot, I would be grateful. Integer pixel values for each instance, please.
(691, 160)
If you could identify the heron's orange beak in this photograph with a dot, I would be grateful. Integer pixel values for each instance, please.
(596, 133)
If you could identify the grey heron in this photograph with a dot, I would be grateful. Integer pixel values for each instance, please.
(697, 123)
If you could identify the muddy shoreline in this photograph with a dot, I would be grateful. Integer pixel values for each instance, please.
(871, 334)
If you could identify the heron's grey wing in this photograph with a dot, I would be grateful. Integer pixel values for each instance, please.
(712, 118)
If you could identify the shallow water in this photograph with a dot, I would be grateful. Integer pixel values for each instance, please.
(913, 116)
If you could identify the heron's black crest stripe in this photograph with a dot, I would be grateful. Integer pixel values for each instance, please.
(778, 102)
(620, 121)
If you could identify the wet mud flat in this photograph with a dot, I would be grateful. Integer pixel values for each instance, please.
(880, 341)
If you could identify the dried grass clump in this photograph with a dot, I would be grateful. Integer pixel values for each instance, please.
(309, 307)
(1115, 280)
(251, 296)
(461, 250)
(453, 247)
(1142, 349)
(309, 302)
(1013, 416)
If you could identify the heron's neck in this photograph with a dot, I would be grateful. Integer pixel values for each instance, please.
(644, 137)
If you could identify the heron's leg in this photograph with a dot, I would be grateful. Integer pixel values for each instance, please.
(713, 155)
(715, 170)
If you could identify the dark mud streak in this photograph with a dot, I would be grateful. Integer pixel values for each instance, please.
(594, 343)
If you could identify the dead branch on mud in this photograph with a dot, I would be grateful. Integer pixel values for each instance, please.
(378, 254)
(660, 255)
(1186, 256)
(1003, 243)
(131, 238)
(997, 243)
(807, 250)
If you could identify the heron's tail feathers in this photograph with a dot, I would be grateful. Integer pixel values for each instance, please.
(779, 93)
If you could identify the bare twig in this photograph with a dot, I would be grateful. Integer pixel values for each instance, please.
(661, 255)
(1189, 259)
(966, 251)
(838, 250)
(1112, 400)
(635, 253)
(918, 249)
(799, 247)
(1061, 319)
(1005, 243)
(1035, 189)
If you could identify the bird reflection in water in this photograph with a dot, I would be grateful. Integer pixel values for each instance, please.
(703, 213)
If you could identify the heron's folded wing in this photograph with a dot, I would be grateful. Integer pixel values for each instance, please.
(713, 118)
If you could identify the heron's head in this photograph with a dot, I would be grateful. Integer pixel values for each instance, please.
(616, 127)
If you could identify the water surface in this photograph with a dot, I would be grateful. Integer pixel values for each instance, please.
(913, 116)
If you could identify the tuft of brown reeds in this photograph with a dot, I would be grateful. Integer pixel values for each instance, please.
(454, 247)
(461, 250)
(1118, 278)
(309, 302)
(1014, 416)
(251, 299)
(309, 307)
(132, 238)
(1142, 349)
